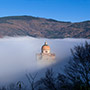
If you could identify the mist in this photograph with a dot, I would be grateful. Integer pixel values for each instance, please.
(18, 54)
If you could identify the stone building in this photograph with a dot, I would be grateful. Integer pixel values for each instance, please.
(46, 56)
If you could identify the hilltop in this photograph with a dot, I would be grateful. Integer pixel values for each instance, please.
(41, 27)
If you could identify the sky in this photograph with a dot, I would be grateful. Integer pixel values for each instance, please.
(62, 10)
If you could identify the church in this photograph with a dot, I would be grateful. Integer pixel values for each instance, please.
(46, 56)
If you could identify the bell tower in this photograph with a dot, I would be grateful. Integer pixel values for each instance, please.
(46, 56)
(45, 49)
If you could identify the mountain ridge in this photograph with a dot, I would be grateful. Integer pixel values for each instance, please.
(41, 27)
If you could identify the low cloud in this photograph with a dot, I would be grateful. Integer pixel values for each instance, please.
(18, 54)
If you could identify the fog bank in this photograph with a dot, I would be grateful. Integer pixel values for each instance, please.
(18, 55)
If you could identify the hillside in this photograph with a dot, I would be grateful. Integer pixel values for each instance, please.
(41, 27)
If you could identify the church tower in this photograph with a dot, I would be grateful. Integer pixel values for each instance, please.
(45, 49)
(46, 55)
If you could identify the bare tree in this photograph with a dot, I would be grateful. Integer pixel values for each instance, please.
(31, 80)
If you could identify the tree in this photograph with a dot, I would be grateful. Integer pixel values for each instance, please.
(62, 82)
(48, 82)
(78, 71)
(31, 80)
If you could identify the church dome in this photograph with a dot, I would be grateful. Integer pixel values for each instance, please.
(45, 47)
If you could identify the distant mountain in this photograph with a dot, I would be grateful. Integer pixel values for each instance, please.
(41, 27)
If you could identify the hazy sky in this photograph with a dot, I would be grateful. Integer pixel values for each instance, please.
(63, 10)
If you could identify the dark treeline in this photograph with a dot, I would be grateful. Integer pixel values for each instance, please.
(76, 74)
